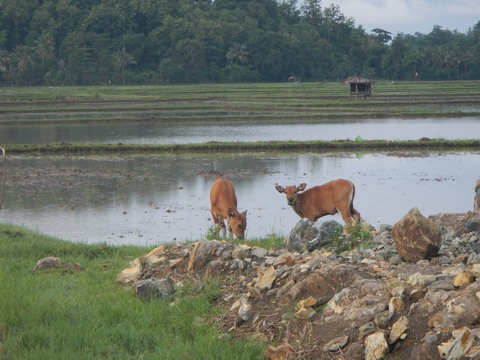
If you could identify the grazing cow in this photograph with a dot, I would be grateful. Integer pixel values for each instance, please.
(224, 207)
(327, 199)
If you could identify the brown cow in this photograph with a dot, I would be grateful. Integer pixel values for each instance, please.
(224, 206)
(327, 199)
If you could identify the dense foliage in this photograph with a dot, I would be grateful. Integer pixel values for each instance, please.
(73, 42)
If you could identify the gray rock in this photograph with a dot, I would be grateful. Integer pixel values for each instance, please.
(430, 338)
(327, 232)
(50, 262)
(382, 319)
(336, 344)
(443, 285)
(308, 235)
(227, 255)
(473, 225)
(395, 260)
(204, 252)
(151, 289)
(366, 329)
(385, 227)
(384, 238)
(302, 233)
(259, 252)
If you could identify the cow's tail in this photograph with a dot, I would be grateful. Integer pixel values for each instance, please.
(353, 211)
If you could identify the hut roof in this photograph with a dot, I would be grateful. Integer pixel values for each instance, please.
(356, 80)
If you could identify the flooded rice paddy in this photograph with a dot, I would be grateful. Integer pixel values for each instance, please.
(181, 133)
(157, 199)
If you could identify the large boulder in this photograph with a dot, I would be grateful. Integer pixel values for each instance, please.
(416, 237)
(309, 235)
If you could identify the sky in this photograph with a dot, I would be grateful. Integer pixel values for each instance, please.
(410, 16)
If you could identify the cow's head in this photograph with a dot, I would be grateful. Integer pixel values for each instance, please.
(237, 221)
(291, 192)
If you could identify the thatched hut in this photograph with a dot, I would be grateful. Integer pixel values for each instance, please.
(359, 85)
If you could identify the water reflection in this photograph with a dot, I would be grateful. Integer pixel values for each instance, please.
(387, 129)
(157, 199)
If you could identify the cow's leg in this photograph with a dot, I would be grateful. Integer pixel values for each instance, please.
(215, 221)
(346, 214)
(221, 227)
(230, 232)
(219, 224)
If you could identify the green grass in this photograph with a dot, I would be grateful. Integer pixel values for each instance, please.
(272, 241)
(359, 235)
(71, 314)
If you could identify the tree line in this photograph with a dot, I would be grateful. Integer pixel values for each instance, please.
(84, 42)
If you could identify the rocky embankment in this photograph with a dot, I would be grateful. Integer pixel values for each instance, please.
(413, 295)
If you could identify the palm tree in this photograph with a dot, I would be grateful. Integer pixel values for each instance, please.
(23, 57)
(122, 59)
(237, 54)
(6, 65)
(44, 48)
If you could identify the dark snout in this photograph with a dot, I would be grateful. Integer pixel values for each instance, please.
(291, 201)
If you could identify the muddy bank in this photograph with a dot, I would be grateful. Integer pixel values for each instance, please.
(212, 147)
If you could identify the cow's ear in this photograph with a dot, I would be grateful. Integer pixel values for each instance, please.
(280, 189)
(301, 187)
(231, 213)
(245, 214)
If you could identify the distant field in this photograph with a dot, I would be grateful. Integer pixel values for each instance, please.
(279, 102)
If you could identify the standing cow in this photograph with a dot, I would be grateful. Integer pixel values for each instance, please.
(223, 203)
(327, 199)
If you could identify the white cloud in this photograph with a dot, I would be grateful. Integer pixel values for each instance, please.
(410, 16)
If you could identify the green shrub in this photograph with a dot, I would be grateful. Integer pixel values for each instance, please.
(357, 234)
